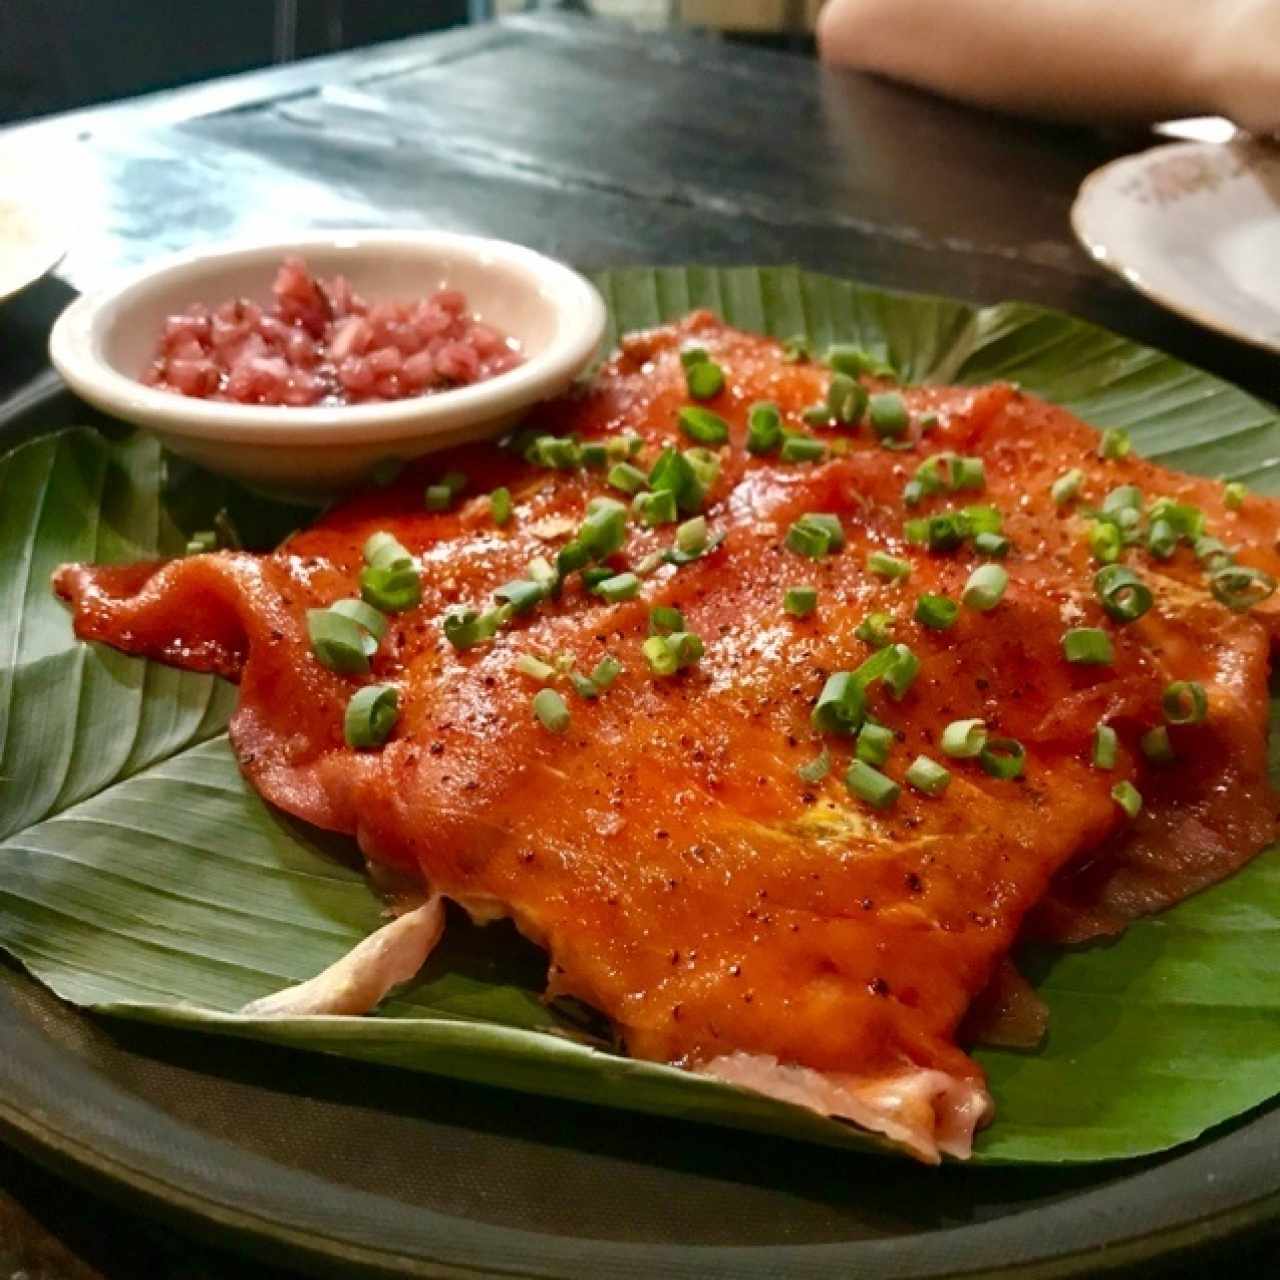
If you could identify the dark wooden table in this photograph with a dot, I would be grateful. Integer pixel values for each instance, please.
(602, 147)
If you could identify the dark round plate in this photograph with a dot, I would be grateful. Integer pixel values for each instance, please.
(340, 1166)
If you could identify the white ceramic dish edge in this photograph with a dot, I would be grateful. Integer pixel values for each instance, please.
(103, 340)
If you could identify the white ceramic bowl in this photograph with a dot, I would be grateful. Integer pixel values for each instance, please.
(103, 341)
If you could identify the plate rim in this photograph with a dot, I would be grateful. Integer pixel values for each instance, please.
(1099, 252)
(1098, 1225)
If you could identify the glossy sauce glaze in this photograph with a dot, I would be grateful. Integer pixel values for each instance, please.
(725, 914)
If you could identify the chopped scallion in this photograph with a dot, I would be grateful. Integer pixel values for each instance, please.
(1239, 587)
(816, 769)
(1128, 797)
(839, 708)
(1123, 594)
(887, 414)
(902, 671)
(871, 786)
(936, 612)
(373, 620)
(1104, 541)
(1003, 757)
(797, 448)
(874, 630)
(594, 455)
(991, 544)
(1162, 539)
(764, 427)
(1156, 745)
(621, 586)
(704, 379)
(1105, 747)
(985, 588)
(875, 741)
(606, 671)
(604, 529)
(800, 602)
(528, 665)
(370, 715)
(550, 710)
(691, 536)
(964, 739)
(500, 505)
(1087, 646)
(339, 642)
(201, 542)
(522, 594)
(1066, 487)
(701, 424)
(1233, 495)
(1114, 444)
(663, 620)
(884, 565)
(655, 508)
(1185, 702)
(627, 477)
(928, 776)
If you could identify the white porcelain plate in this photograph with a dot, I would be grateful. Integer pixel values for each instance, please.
(1196, 227)
(32, 225)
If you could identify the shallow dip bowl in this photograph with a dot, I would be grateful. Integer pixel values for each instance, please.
(103, 341)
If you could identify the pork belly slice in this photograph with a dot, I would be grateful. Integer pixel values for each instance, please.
(724, 914)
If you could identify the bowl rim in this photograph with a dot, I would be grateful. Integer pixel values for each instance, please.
(76, 340)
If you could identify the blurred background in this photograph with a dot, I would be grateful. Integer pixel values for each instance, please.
(56, 55)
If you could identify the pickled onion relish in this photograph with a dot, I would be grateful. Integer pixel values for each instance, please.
(320, 343)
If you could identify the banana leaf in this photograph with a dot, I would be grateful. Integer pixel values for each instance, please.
(140, 877)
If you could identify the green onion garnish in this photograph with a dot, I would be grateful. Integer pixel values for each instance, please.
(1003, 757)
(627, 477)
(991, 544)
(668, 654)
(1185, 702)
(594, 455)
(1105, 747)
(1088, 646)
(663, 620)
(1156, 745)
(1162, 539)
(550, 710)
(887, 414)
(928, 776)
(371, 619)
(500, 505)
(944, 531)
(201, 542)
(797, 448)
(605, 528)
(937, 612)
(1233, 495)
(528, 665)
(871, 786)
(981, 519)
(607, 670)
(964, 739)
(968, 473)
(463, 629)
(884, 565)
(950, 471)
(572, 556)
(1239, 587)
(701, 424)
(674, 472)
(1122, 593)
(390, 580)
(594, 575)
(985, 588)
(816, 415)
(1213, 553)
(583, 686)
(662, 661)
(619, 587)
(800, 602)
(846, 399)
(657, 508)
(1114, 444)
(764, 427)
(1187, 521)
(902, 671)
(815, 534)
(620, 448)
(522, 594)
(875, 741)
(1105, 541)
(687, 647)
(704, 379)
(542, 571)
(693, 355)
(1066, 486)
(339, 642)
(874, 630)
(839, 708)
(691, 536)
(912, 493)
(1124, 497)
(556, 452)
(816, 769)
(371, 715)
(1128, 797)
